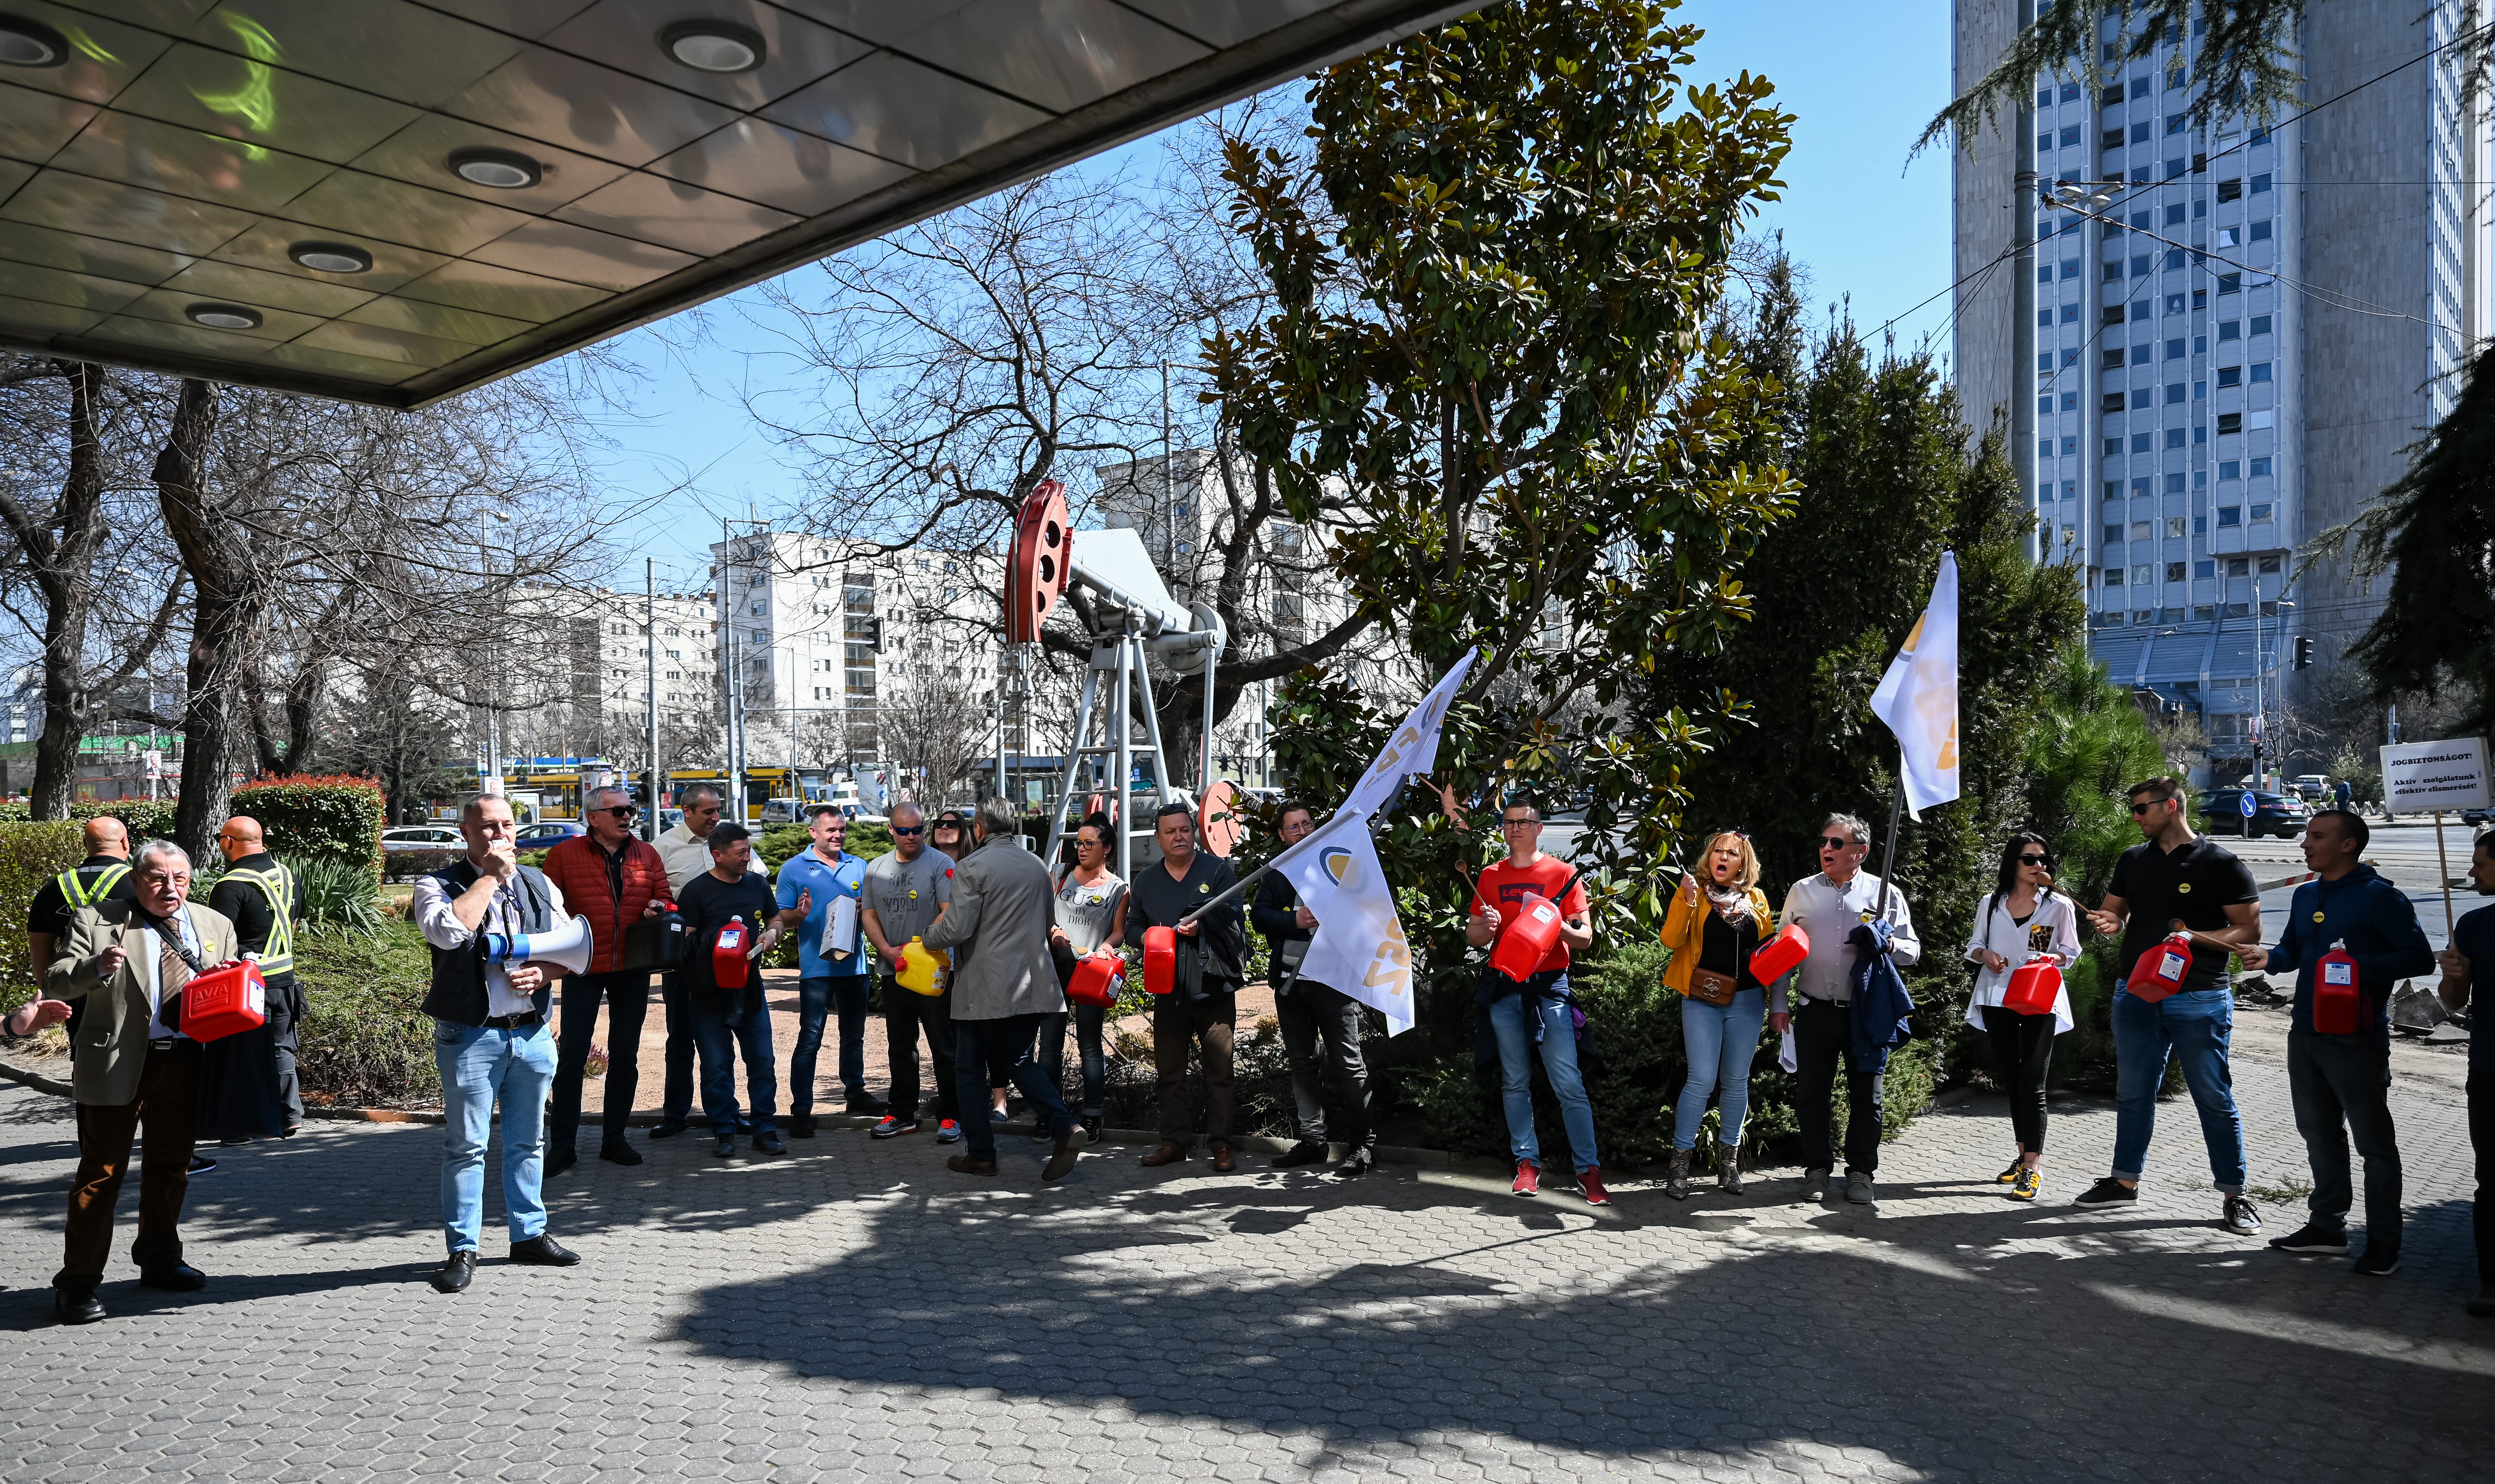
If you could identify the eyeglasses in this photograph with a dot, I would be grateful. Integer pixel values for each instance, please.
(1518, 824)
(1834, 842)
(907, 829)
(619, 811)
(2140, 808)
(2031, 860)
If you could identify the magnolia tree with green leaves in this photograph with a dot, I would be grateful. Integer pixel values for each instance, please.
(1486, 380)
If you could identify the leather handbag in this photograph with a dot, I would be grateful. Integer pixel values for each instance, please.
(1708, 987)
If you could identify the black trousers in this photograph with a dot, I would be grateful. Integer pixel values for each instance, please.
(627, 996)
(2023, 1052)
(1321, 1042)
(676, 1099)
(905, 1013)
(2341, 1086)
(1824, 1040)
(2481, 1138)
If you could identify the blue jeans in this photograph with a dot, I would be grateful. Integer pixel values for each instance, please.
(720, 1044)
(478, 1064)
(2193, 1026)
(1509, 1021)
(1722, 1041)
(817, 997)
(1090, 1051)
(1002, 1046)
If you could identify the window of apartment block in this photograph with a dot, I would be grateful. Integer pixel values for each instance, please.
(2139, 530)
(2174, 524)
(2260, 324)
(2269, 565)
(2258, 232)
(2204, 568)
(2139, 134)
(2260, 466)
(2240, 567)
(2113, 313)
(2230, 330)
(2139, 441)
(2173, 572)
(2173, 393)
(2230, 515)
(2114, 359)
(2230, 469)
(2230, 190)
(2261, 371)
(2113, 576)
(2230, 422)
(2175, 214)
(2071, 133)
(2111, 96)
(2112, 534)
(2261, 510)
(2174, 440)
(2112, 402)
(2230, 376)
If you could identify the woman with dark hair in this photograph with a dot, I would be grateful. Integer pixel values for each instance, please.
(2021, 917)
(1091, 914)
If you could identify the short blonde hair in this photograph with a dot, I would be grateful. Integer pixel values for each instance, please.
(1747, 875)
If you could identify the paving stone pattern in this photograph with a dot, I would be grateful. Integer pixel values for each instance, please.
(856, 1311)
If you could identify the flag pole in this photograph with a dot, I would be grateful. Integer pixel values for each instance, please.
(1889, 852)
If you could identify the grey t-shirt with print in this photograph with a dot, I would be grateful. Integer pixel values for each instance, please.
(904, 895)
(1086, 912)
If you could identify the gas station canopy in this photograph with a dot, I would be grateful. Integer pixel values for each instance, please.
(390, 202)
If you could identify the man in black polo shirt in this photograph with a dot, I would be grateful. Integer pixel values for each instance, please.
(2176, 876)
(1202, 1008)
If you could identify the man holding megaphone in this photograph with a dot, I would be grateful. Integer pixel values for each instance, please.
(498, 931)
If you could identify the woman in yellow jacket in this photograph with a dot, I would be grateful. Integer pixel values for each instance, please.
(1718, 915)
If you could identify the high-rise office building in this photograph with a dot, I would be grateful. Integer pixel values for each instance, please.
(2223, 346)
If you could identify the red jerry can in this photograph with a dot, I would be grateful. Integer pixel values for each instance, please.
(728, 965)
(224, 1001)
(1779, 955)
(2035, 987)
(1161, 960)
(1528, 939)
(2338, 1001)
(1098, 975)
(2161, 970)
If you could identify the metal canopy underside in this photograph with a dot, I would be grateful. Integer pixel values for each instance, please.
(163, 174)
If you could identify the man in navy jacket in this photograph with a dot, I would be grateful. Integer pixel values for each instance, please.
(2341, 1084)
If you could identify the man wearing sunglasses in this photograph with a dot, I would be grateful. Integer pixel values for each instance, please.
(2176, 876)
(905, 891)
(614, 881)
(1828, 906)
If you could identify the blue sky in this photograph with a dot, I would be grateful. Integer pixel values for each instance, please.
(1870, 228)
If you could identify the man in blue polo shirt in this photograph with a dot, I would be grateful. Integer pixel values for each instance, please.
(831, 975)
(2341, 1084)
(2473, 943)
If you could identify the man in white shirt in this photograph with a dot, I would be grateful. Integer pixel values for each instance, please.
(1828, 906)
(492, 1038)
(133, 1069)
(685, 851)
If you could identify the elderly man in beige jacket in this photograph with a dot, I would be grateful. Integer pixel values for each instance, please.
(133, 1070)
(1005, 979)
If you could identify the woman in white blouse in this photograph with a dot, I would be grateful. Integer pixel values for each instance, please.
(2021, 917)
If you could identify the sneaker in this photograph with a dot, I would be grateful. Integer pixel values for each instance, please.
(1814, 1183)
(2241, 1217)
(200, 1165)
(1590, 1183)
(1304, 1151)
(995, 1115)
(1529, 1180)
(2009, 1176)
(1093, 1133)
(892, 1128)
(2379, 1261)
(2109, 1192)
(2314, 1237)
(947, 1131)
(1857, 1188)
(2029, 1183)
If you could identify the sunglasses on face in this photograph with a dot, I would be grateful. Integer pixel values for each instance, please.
(909, 829)
(2031, 860)
(619, 811)
(2140, 808)
(1834, 842)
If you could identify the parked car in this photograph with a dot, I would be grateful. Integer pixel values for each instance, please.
(2273, 814)
(2312, 788)
(422, 837)
(548, 832)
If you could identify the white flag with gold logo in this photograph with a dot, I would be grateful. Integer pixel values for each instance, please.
(1359, 948)
(1918, 697)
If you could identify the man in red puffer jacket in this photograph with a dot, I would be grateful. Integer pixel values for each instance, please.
(614, 881)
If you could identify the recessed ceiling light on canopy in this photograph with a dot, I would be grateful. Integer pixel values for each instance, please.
(501, 169)
(30, 44)
(224, 316)
(331, 257)
(713, 45)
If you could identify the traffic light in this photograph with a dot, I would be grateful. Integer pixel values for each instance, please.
(874, 633)
(2304, 651)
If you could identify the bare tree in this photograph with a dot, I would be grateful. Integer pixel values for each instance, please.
(68, 422)
(932, 733)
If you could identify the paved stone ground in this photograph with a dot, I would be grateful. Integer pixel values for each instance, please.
(856, 1311)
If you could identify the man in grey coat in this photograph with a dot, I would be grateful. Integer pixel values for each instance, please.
(1003, 981)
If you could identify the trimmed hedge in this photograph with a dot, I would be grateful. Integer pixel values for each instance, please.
(31, 854)
(337, 817)
(147, 819)
(365, 1040)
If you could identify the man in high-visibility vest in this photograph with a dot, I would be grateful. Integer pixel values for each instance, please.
(264, 901)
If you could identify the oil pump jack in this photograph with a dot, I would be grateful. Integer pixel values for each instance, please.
(1135, 617)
